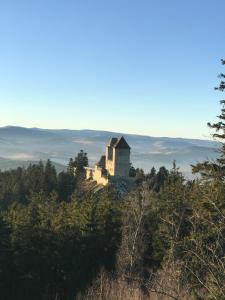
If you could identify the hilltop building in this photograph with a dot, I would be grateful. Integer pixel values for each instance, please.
(114, 165)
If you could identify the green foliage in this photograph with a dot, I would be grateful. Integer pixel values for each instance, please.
(77, 166)
(54, 240)
(132, 172)
(19, 185)
(53, 250)
(215, 170)
(66, 184)
(155, 180)
(49, 178)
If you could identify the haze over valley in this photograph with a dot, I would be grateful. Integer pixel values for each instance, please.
(19, 146)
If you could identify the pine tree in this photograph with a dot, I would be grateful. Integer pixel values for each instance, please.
(70, 167)
(160, 179)
(152, 174)
(209, 169)
(66, 185)
(50, 178)
(132, 172)
(80, 162)
(6, 270)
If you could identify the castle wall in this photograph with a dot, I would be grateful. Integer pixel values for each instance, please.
(102, 180)
(89, 173)
(99, 177)
(116, 163)
(122, 162)
(110, 163)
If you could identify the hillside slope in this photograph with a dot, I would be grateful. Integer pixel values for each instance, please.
(18, 144)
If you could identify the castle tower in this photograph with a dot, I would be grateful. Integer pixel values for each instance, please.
(118, 157)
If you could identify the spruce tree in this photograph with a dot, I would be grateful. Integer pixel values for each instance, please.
(215, 169)
(50, 178)
(70, 167)
(80, 162)
(66, 185)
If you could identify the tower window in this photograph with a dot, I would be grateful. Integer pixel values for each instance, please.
(110, 153)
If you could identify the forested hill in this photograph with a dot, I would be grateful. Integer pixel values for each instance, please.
(19, 145)
(59, 240)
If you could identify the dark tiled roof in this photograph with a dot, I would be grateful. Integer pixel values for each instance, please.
(118, 143)
(112, 142)
(122, 144)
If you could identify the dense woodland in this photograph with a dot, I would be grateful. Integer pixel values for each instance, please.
(164, 239)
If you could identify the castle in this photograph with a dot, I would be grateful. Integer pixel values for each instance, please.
(114, 165)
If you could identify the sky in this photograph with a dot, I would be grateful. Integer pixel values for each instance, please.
(134, 66)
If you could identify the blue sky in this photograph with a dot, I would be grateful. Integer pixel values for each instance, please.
(135, 66)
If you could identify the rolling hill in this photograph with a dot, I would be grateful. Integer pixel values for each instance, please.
(19, 146)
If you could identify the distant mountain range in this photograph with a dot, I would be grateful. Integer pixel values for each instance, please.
(19, 146)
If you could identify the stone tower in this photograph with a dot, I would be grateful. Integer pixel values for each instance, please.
(118, 158)
(114, 165)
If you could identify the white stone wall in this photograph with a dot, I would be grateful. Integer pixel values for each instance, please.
(98, 176)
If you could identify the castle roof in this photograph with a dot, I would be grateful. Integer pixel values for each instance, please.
(122, 144)
(118, 143)
(112, 142)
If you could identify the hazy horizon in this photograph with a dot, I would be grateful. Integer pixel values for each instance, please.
(19, 144)
(210, 138)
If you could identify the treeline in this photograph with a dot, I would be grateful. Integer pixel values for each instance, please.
(154, 241)
(52, 250)
(54, 240)
(20, 184)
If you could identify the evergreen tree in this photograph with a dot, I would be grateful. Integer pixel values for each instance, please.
(80, 162)
(50, 178)
(132, 172)
(66, 185)
(152, 173)
(209, 169)
(35, 177)
(151, 178)
(70, 167)
(160, 179)
(140, 176)
(6, 268)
